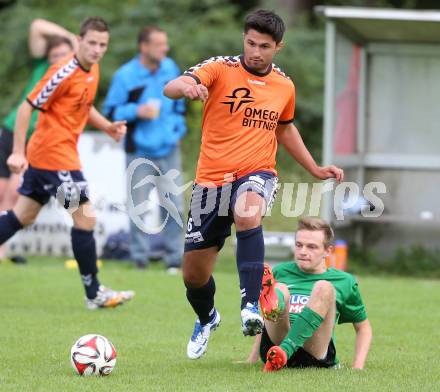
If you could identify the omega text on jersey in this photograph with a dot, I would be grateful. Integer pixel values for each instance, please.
(260, 118)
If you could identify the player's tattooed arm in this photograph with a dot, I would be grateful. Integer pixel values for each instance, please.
(289, 136)
(185, 86)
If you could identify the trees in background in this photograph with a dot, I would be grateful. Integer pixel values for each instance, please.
(198, 29)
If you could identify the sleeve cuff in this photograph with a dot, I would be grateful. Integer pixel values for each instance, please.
(285, 121)
(361, 317)
(34, 106)
(193, 76)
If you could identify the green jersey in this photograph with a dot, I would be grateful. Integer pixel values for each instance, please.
(40, 68)
(349, 305)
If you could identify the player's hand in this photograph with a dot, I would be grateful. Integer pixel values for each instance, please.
(198, 91)
(147, 111)
(17, 163)
(331, 171)
(117, 130)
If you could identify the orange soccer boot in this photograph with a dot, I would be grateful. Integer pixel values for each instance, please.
(271, 298)
(276, 359)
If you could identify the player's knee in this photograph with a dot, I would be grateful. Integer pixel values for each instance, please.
(84, 217)
(248, 211)
(324, 289)
(193, 277)
(283, 288)
(247, 223)
(193, 280)
(3, 187)
(11, 199)
(89, 223)
(85, 223)
(26, 218)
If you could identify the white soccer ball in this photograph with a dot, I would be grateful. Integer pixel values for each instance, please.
(93, 355)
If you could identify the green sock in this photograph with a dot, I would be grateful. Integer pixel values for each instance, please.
(281, 302)
(307, 322)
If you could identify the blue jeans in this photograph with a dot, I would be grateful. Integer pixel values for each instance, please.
(172, 233)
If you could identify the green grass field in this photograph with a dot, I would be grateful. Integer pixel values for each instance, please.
(42, 314)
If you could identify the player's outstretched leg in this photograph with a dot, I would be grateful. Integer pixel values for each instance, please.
(84, 250)
(200, 290)
(276, 359)
(23, 214)
(312, 329)
(8, 198)
(202, 301)
(198, 344)
(9, 225)
(271, 298)
(107, 298)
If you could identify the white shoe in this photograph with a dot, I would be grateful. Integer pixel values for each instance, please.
(108, 298)
(173, 271)
(198, 344)
(251, 321)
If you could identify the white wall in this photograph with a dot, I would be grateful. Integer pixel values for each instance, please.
(104, 167)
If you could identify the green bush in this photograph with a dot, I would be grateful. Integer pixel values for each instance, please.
(415, 261)
(197, 30)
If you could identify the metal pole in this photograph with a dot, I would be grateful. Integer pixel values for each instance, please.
(329, 111)
(361, 134)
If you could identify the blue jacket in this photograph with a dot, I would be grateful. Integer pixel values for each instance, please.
(132, 85)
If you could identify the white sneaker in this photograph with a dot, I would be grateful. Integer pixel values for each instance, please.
(198, 344)
(251, 321)
(108, 298)
(173, 271)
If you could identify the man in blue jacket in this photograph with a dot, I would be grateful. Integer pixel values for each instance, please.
(155, 125)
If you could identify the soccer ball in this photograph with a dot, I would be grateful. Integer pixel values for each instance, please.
(93, 355)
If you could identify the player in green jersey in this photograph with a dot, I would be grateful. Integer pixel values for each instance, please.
(303, 300)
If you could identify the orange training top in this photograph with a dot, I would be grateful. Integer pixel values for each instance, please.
(240, 116)
(64, 97)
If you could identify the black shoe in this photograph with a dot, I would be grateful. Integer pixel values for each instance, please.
(18, 259)
(141, 265)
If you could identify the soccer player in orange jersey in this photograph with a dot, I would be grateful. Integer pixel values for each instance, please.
(48, 43)
(248, 109)
(64, 97)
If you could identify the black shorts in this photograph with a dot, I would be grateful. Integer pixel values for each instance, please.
(301, 359)
(69, 187)
(211, 212)
(6, 141)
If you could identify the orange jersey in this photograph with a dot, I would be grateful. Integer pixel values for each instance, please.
(240, 117)
(64, 97)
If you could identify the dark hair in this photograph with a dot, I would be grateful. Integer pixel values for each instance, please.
(315, 224)
(265, 22)
(55, 41)
(95, 23)
(145, 33)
